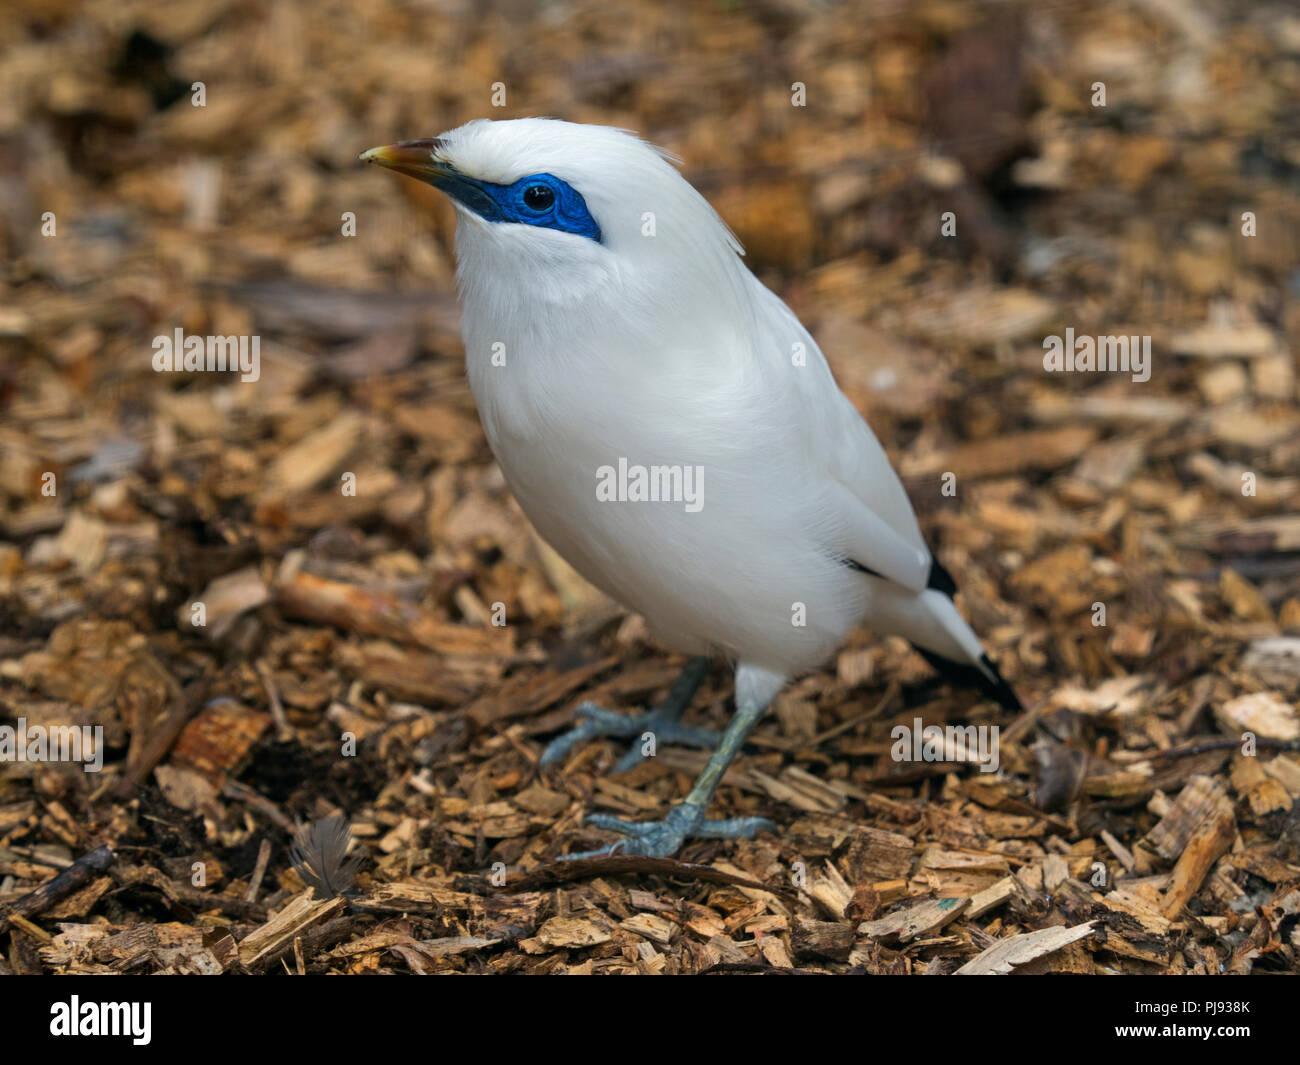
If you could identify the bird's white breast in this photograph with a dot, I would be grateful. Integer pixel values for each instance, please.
(753, 571)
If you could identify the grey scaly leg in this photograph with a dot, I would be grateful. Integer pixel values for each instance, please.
(663, 721)
(661, 839)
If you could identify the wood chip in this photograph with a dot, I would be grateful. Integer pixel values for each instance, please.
(299, 914)
(1006, 954)
(910, 922)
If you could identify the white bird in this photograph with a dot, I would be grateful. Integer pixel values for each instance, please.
(615, 339)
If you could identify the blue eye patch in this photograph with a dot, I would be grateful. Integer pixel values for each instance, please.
(539, 200)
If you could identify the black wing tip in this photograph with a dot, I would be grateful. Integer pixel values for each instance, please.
(940, 580)
(970, 676)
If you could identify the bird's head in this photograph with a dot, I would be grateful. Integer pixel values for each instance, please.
(563, 207)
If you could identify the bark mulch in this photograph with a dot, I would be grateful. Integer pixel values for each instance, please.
(1129, 550)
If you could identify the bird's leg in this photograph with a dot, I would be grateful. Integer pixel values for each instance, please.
(661, 839)
(662, 723)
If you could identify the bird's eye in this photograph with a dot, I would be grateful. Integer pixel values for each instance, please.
(539, 197)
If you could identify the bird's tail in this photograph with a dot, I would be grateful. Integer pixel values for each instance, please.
(930, 621)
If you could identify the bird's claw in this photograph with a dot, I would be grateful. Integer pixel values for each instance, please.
(663, 839)
(595, 721)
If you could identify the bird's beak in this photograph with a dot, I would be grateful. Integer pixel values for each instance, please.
(414, 159)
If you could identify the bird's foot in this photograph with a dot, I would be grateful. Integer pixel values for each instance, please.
(652, 727)
(663, 839)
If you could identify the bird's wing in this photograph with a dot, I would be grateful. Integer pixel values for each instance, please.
(879, 526)
(875, 546)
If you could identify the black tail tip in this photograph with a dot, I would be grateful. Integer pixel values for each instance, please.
(984, 677)
(997, 688)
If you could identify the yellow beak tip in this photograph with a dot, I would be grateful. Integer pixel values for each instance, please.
(412, 158)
